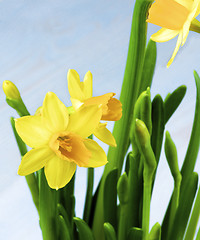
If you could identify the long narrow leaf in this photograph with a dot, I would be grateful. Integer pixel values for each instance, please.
(149, 65)
(193, 147)
(110, 198)
(184, 208)
(88, 198)
(173, 100)
(83, 229)
(109, 232)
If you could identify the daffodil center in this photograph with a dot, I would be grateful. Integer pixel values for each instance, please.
(64, 144)
(70, 146)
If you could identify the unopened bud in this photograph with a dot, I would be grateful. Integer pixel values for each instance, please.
(11, 90)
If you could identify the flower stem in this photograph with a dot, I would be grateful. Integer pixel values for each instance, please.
(129, 94)
(146, 209)
(194, 219)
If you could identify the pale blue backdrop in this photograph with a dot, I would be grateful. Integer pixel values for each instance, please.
(39, 42)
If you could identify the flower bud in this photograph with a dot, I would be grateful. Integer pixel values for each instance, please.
(11, 90)
(122, 189)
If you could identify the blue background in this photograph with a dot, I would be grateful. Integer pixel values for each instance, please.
(39, 42)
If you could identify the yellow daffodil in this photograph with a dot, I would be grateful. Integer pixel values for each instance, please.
(59, 141)
(81, 94)
(175, 17)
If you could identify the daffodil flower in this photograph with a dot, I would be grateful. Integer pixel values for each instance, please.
(59, 141)
(175, 18)
(81, 94)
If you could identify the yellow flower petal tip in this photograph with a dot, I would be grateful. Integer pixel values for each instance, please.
(59, 141)
(175, 18)
(11, 90)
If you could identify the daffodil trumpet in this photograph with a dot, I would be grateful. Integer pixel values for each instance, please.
(176, 18)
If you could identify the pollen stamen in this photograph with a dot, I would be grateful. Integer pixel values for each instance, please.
(65, 143)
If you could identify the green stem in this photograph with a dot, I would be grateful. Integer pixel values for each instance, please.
(198, 235)
(88, 199)
(129, 94)
(193, 219)
(146, 209)
(175, 203)
(122, 222)
(48, 209)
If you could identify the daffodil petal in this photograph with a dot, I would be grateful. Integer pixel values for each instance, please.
(178, 44)
(32, 131)
(186, 3)
(84, 121)
(164, 35)
(55, 113)
(185, 32)
(59, 172)
(34, 160)
(76, 103)
(103, 134)
(87, 85)
(98, 157)
(74, 85)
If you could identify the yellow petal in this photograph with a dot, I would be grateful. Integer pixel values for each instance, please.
(55, 113)
(103, 134)
(87, 85)
(74, 85)
(59, 172)
(76, 103)
(98, 157)
(176, 49)
(85, 120)
(168, 14)
(186, 3)
(185, 32)
(32, 131)
(164, 35)
(34, 160)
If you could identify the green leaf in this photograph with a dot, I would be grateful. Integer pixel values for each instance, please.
(193, 147)
(109, 232)
(88, 198)
(155, 233)
(183, 212)
(173, 100)
(64, 231)
(66, 198)
(149, 65)
(48, 209)
(194, 218)
(191, 155)
(135, 191)
(110, 198)
(62, 212)
(83, 230)
(135, 234)
(157, 126)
